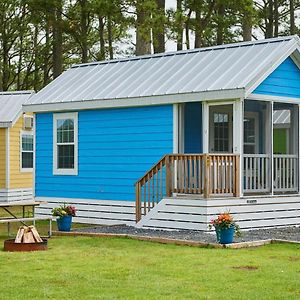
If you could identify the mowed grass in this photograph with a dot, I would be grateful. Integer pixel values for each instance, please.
(119, 268)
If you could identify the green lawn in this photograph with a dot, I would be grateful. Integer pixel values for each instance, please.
(118, 268)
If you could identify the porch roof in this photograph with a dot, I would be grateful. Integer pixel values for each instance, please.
(11, 106)
(220, 72)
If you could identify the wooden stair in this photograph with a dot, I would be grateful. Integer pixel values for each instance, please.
(176, 213)
(252, 212)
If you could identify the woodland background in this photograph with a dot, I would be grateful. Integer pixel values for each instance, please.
(41, 38)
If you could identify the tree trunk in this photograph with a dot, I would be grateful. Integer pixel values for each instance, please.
(270, 20)
(179, 24)
(276, 18)
(247, 22)
(198, 30)
(110, 37)
(101, 38)
(143, 33)
(5, 64)
(36, 54)
(57, 40)
(46, 53)
(20, 59)
(220, 28)
(292, 17)
(159, 29)
(84, 31)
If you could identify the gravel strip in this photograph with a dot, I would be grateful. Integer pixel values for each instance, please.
(284, 233)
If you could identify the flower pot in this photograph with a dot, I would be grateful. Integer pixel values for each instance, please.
(225, 235)
(64, 223)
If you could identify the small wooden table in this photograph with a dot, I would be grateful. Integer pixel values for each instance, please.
(8, 206)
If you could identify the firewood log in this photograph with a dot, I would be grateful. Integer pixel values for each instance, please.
(35, 234)
(19, 236)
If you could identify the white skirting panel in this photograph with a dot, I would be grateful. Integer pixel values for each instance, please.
(250, 213)
(98, 212)
(10, 195)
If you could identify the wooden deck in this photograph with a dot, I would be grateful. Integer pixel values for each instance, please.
(219, 178)
(193, 213)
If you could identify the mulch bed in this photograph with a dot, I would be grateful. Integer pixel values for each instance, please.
(284, 233)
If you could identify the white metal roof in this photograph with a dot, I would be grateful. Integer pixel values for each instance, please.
(220, 72)
(11, 106)
(282, 116)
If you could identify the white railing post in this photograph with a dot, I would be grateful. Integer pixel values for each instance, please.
(238, 138)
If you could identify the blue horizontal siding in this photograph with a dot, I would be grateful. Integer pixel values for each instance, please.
(115, 148)
(284, 81)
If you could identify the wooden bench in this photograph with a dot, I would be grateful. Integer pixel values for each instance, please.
(32, 219)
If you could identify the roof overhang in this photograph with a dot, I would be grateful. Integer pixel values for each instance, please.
(6, 124)
(293, 51)
(138, 101)
(269, 98)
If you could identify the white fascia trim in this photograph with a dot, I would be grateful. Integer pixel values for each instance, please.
(295, 56)
(7, 157)
(86, 201)
(138, 101)
(261, 77)
(17, 117)
(24, 132)
(5, 124)
(56, 117)
(269, 98)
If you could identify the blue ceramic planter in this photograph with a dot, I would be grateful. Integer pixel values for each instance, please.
(225, 235)
(64, 223)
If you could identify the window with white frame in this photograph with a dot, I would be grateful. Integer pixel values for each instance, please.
(65, 144)
(26, 146)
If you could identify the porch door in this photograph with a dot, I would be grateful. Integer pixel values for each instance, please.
(220, 129)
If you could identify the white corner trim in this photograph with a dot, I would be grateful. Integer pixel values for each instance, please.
(24, 132)
(56, 117)
(7, 157)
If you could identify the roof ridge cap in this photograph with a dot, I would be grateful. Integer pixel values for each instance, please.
(181, 52)
(25, 92)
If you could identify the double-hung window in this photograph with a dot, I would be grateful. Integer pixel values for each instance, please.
(65, 130)
(26, 145)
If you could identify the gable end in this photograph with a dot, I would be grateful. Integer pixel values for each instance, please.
(284, 81)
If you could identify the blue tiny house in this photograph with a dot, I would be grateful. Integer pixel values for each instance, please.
(170, 140)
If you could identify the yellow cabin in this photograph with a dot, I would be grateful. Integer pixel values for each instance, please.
(16, 147)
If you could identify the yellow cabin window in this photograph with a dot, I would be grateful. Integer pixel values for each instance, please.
(26, 151)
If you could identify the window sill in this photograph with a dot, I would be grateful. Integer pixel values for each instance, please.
(26, 170)
(66, 172)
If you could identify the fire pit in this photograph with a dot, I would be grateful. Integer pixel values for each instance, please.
(27, 239)
(10, 245)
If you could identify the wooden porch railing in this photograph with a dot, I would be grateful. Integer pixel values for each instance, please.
(206, 174)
